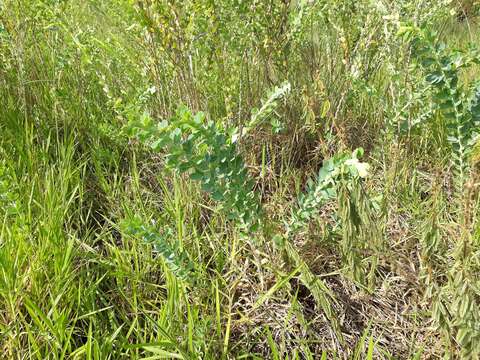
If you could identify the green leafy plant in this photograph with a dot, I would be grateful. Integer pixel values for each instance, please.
(206, 152)
(457, 103)
(339, 178)
(342, 166)
(176, 260)
(265, 111)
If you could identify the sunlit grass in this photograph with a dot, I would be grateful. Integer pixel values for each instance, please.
(107, 253)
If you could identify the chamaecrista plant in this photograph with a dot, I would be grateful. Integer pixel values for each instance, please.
(457, 103)
(206, 152)
(455, 304)
(341, 166)
(339, 178)
(209, 154)
(176, 260)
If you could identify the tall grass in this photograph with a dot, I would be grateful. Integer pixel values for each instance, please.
(245, 224)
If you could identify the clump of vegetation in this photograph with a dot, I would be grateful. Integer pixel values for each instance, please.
(239, 179)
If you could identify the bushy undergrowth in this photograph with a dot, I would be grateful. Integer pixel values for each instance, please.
(239, 179)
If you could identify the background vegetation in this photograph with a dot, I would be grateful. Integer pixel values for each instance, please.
(198, 179)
